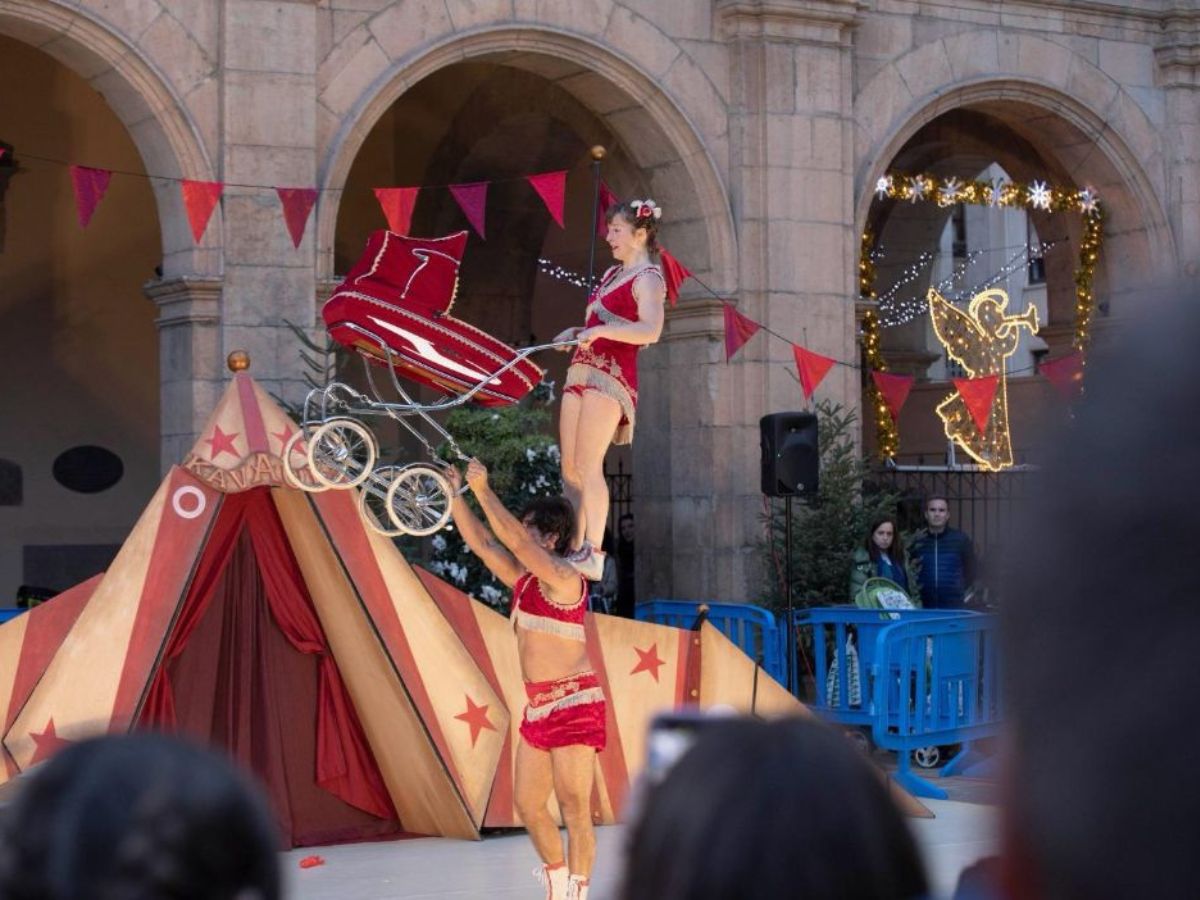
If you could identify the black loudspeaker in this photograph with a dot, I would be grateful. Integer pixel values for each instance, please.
(790, 455)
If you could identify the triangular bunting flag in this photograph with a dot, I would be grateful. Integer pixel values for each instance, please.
(978, 394)
(200, 199)
(472, 198)
(738, 330)
(812, 368)
(675, 273)
(90, 185)
(398, 204)
(607, 200)
(552, 188)
(894, 389)
(297, 205)
(1065, 373)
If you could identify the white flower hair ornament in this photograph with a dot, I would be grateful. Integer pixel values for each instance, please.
(646, 209)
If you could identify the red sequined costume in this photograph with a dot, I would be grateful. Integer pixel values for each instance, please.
(569, 710)
(608, 366)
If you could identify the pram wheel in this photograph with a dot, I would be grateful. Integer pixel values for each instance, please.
(373, 501)
(296, 471)
(419, 500)
(341, 454)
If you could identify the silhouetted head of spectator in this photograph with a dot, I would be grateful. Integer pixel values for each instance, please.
(625, 528)
(1102, 620)
(138, 818)
(785, 809)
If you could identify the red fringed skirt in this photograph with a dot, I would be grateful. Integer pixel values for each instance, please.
(565, 712)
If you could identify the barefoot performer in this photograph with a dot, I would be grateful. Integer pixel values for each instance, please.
(599, 401)
(564, 722)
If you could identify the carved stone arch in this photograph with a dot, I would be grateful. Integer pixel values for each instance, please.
(656, 131)
(1087, 122)
(142, 99)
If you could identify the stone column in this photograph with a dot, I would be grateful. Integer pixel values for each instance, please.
(268, 139)
(191, 365)
(1178, 56)
(791, 181)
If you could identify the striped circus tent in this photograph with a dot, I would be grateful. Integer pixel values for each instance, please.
(369, 697)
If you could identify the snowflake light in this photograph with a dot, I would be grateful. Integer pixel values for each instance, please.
(883, 186)
(948, 192)
(1040, 195)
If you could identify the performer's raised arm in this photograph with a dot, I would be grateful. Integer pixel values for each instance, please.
(482, 542)
(650, 294)
(550, 568)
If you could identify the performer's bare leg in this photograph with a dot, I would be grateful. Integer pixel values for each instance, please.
(534, 782)
(574, 773)
(598, 418)
(568, 427)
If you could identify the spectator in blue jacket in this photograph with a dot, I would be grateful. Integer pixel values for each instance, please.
(947, 558)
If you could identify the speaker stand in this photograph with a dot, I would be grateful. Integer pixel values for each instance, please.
(787, 593)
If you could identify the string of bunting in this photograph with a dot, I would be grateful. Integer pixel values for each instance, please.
(1065, 373)
(200, 198)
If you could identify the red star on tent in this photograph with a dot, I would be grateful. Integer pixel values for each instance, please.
(46, 742)
(283, 435)
(648, 661)
(220, 442)
(476, 717)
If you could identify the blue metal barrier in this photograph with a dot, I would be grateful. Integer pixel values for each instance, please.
(7, 614)
(752, 628)
(935, 682)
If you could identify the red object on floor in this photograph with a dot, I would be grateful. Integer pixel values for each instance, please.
(310, 862)
(401, 291)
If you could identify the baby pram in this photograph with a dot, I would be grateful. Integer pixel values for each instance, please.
(393, 309)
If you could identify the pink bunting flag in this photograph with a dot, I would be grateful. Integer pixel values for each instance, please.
(200, 199)
(398, 204)
(894, 389)
(552, 188)
(1065, 373)
(607, 200)
(675, 273)
(978, 394)
(297, 206)
(472, 198)
(738, 330)
(90, 185)
(812, 368)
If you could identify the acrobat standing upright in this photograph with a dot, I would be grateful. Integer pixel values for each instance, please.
(599, 401)
(564, 722)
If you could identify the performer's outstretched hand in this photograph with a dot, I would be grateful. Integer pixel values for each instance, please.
(455, 478)
(587, 335)
(477, 476)
(569, 335)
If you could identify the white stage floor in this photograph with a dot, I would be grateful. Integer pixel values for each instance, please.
(500, 866)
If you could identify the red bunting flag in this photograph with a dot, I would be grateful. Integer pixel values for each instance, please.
(675, 273)
(978, 394)
(738, 330)
(398, 204)
(472, 198)
(90, 185)
(607, 200)
(200, 199)
(552, 188)
(894, 389)
(297, 205)
(812, 367)
(1065, 373)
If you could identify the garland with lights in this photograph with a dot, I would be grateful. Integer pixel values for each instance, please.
(951, 191)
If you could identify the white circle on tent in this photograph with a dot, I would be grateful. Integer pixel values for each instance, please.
(188, 491)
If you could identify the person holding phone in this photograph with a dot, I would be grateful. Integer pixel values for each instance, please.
(563, 726)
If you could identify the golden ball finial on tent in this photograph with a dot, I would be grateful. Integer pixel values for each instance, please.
(598, 152)
(238, 361)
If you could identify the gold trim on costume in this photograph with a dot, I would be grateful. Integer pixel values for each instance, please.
(594, 373)
(547, 625)
(590, 695)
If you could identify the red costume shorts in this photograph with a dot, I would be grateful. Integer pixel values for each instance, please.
(565, 712)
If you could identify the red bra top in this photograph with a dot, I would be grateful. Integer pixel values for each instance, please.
(531, 609)
(613, 302)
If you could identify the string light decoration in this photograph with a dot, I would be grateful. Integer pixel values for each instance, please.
(950, 191)
(981, 340)
(548, 267)
(887, 435)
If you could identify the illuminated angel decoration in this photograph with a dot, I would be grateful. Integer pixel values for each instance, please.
(980, 340)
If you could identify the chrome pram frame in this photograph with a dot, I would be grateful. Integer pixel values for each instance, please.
(334, 450)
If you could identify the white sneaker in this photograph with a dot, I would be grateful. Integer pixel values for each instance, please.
(577, 887)
(554, 880)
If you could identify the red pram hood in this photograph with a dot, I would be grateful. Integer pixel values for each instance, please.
(397, 298)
